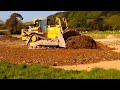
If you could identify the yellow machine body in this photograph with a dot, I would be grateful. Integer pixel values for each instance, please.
(48, 31)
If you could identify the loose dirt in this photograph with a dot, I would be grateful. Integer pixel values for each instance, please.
(7, 37)
(16, 51)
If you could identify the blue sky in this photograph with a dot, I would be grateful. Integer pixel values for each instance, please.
(27, 15)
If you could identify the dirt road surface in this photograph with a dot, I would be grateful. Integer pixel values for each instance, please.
(105, 64)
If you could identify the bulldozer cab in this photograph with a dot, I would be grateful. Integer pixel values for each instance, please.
(42, 23)
(51, 26)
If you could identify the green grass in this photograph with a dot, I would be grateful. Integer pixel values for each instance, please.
(25, 71)
(102, 35)
(103, 32)
(3, 32)
(28, 23)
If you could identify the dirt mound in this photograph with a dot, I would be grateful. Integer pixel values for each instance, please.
(8, 37)
(81, 42)
(68, 34)
(85, 42)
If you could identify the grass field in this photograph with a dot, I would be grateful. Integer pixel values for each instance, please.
(3, 32)
(25, 71)
(103, 35)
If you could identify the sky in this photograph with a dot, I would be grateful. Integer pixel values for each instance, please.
(27, 15)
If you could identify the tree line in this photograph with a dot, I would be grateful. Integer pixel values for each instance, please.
(92, 20)
(81, 20)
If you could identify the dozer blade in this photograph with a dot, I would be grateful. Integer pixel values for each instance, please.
(61, 41)
(51, 42)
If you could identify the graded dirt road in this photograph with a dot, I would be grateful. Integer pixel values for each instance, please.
(15, 50)
(105, 64)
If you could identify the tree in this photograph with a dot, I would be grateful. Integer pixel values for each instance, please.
(81, 22)
(72, 24)
(98, 23)
(20, 26)
(12, 22)
(2, 26)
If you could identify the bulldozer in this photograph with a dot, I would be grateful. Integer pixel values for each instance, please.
(44, 34)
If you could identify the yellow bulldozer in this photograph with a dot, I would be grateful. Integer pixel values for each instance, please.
(44, 34)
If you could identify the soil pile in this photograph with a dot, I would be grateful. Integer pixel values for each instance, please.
(68, 34)
(81, 42)
(84, 42)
